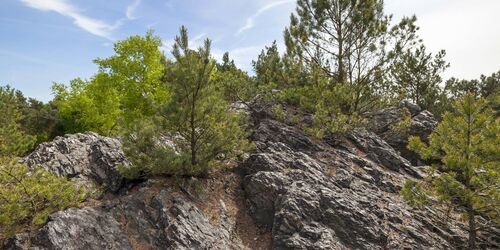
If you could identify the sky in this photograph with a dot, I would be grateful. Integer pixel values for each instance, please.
(46, 41)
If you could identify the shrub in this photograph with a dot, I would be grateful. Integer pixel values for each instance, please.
(29, 196)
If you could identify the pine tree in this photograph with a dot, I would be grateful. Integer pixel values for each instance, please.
(234, 84)
(203, 131)
(416, 76)
(13, 141)
(351, 41)
(467, 145)
(485, 86)
(269, 67)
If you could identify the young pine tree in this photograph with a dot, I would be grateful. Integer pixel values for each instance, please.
(467, 145)
(197, 111)
(234, 84)
(197, 122)
(269, 67)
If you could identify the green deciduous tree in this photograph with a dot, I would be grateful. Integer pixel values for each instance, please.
(88, 106)
(29, 196)
(467, 145)
(135, 71)
(127, 88)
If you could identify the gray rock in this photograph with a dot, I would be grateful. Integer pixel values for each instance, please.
(412, 107)
(135, 221)
(422, 124)
(342, 193)
(88, 159)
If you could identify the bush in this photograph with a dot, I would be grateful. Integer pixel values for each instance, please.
(29, 196)
(278, 112)
(332, 112)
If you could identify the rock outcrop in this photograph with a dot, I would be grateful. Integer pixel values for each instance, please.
(293, 192)
(88, 159)
(156, 214)
(421, 124)
(342, 193)
(151, 217)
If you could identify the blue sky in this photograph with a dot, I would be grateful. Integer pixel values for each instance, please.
(45, 41)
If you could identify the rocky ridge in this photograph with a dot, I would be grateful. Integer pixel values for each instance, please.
(293, 192)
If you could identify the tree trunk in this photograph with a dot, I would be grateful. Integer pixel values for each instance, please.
(340, 38)
(193, 133)
(472, 229)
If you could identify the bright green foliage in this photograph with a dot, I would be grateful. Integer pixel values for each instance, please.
(136, 71)
(202, 130)
(127, 88)
(88, 106)
(29, 196)
(13, 141)
(416, 76)
(468, 146)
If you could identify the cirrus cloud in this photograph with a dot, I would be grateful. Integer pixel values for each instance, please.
(250, 23)
(62, 7)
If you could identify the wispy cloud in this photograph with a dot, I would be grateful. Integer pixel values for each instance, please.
(131, 9)
(250, 23)
(91, 25)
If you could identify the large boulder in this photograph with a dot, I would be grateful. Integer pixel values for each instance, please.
(88, 159)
